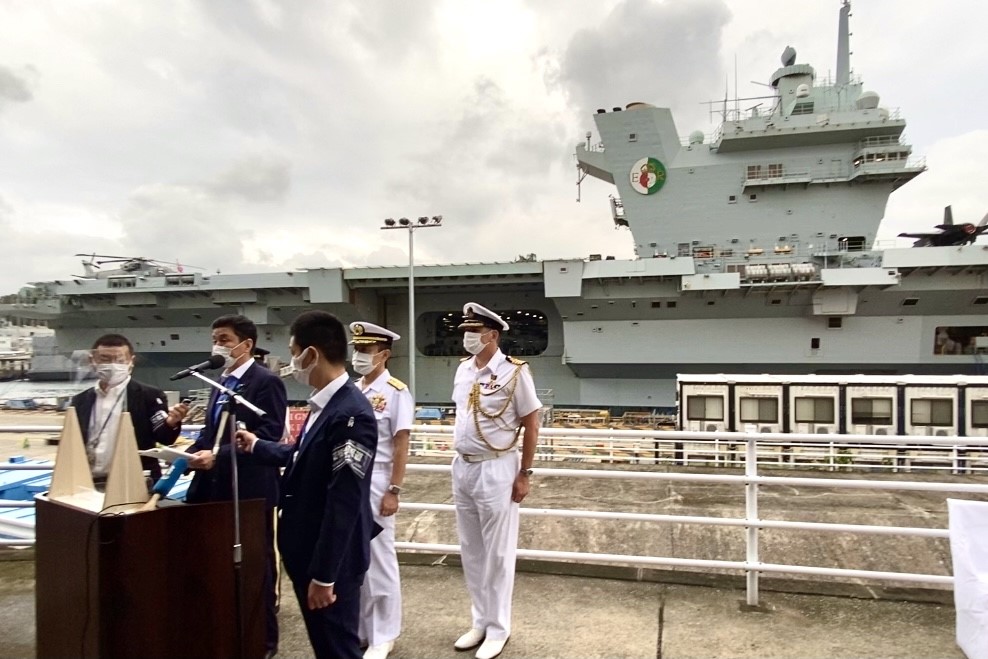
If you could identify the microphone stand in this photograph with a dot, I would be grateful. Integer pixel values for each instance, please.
(234, 399)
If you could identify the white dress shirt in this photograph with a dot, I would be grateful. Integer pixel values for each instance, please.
(104, 424)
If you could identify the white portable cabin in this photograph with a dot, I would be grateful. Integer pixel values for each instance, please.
(976, 411)
(931, 410)
(918, 405)
(703, 407)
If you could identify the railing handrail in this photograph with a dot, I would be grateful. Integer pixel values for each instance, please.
(750, 480)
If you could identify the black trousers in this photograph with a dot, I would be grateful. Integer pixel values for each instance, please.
(332, 630)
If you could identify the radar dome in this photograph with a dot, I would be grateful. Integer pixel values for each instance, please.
(867, 101)
(802, 91)
(696, 137)
(788, 56)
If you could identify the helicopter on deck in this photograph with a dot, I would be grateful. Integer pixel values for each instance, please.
(92, 266)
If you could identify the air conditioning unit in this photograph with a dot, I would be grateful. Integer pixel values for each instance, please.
(880, 430)
(825, 429)
(706, 426)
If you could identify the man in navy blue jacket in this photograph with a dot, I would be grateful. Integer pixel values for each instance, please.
(235, 339)
(326, 523)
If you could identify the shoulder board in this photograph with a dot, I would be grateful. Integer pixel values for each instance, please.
(397, 384)
(515, 361)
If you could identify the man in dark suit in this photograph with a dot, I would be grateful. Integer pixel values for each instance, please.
(235, 338)
(99, 409)
(326, 523)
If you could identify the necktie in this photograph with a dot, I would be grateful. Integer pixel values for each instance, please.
(229, 382)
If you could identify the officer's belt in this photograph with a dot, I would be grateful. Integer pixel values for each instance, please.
(481, 457)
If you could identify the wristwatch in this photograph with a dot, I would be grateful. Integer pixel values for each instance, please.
(394, 489)
(526, 472)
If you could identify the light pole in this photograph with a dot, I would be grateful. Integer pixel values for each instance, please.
(405, 223)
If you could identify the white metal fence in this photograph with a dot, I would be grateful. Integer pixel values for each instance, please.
(752, 450)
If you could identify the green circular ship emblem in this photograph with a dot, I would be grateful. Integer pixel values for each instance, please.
(648, 175)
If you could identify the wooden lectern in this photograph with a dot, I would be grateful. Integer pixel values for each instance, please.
(149, 584)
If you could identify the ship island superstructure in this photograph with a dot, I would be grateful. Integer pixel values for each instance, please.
(755, 254)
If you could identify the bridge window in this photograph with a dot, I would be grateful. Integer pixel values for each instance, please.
(528, 336)
(871, 411)
(759, 410)
(932, 412)
(814, 410)
(803, 107)
(979, 413)
(705, 408)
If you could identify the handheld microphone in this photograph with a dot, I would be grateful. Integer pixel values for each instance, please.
(212, 363)
(166, 483)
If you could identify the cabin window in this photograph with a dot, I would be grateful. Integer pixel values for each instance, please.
(979, 413)
(835, 322)
(759, 410)
(528, 336)
(932, 412)
(775, 170)
(705, 408)
(810, 409)
(871, 411)
(121, 282)
(732, 199)
(754, 171)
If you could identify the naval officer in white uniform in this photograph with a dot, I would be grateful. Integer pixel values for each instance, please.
(495, 403)
(394, 407)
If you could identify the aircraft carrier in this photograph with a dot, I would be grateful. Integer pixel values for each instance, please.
(755, 253)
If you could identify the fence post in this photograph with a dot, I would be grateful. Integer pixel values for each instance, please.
(751, 515)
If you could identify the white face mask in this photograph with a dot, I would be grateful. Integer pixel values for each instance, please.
(300, 374)
(112, 374)
(473, 343)
(363, 363)
(224, 352)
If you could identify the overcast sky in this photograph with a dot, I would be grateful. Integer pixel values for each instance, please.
(260, 135)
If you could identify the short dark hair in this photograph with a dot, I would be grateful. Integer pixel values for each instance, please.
(113, 341)
(242, 326)
(324, 332)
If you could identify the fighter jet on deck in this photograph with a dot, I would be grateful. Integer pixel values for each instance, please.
(950, 234)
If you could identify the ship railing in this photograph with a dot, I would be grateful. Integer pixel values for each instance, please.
(749, 446)
(880, 140)
(668, 448)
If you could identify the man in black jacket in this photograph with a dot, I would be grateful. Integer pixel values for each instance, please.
(99, 409)
(326, 523)
(235, 338)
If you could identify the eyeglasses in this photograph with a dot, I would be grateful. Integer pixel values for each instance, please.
(103, 358)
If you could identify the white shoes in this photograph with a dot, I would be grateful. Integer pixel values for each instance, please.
(491, 648)
(379, 651)
(470, 640)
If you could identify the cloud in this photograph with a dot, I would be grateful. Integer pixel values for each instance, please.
(954, 177)
(262, 178)
(15, 88)
(665, 53)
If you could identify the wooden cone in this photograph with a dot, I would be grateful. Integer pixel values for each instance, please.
(125, 486)
(71, 475)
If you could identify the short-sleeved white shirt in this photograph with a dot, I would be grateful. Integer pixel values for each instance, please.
(394, 409)
(495, 380)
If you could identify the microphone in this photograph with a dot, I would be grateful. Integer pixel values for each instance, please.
(166, 483)
(213, 362)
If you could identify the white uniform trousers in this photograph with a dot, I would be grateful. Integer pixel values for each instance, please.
(380, 595)
(487, 522)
